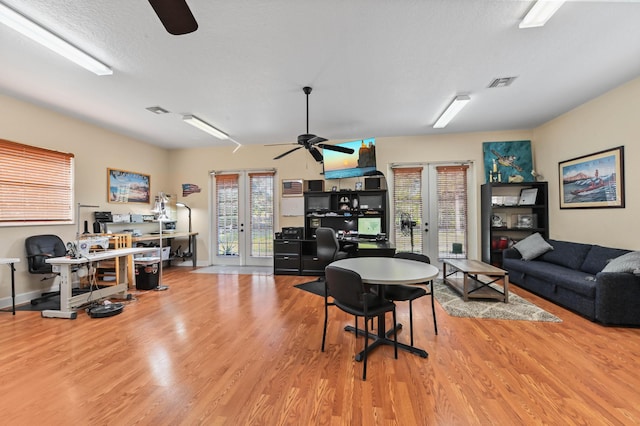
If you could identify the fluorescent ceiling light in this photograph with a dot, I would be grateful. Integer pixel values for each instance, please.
(35, 32)
(454, 108)
(204, 126)
(540, 13)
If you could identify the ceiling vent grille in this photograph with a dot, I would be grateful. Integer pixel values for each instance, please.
(157, 110)
(501, 82)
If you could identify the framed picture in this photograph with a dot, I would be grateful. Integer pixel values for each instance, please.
(128, 187)
(593, 181)
(528, 197)
(292, 187)
(358, 186)
(508, 162)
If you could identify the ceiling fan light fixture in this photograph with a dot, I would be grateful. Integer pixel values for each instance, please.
(540, 13)
(35, 32)
(204, 126)
(452, 110)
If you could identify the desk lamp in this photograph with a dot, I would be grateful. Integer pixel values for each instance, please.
(181, 204)
(161, 210)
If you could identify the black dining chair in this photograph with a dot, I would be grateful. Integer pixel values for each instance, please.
(404, 293)
(352, 296)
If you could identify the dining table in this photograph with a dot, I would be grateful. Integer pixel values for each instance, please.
(382, 271)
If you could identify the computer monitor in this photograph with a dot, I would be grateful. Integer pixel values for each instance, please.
(369, 226)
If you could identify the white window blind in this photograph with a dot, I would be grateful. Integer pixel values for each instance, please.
(227, 191)
(261, 200)
(452, 211)
(407, 199)
(36, 185)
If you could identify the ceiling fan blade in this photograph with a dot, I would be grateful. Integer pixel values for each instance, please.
(288, 152)
(317, 155)
(316, 139)
(175, 15)
(337, 148)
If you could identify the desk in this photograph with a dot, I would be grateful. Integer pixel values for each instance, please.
(10, 261)
(169, 235)
(68, 302)
(388, 271)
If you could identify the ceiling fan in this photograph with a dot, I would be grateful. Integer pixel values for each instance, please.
(313, 142)
(175, 15)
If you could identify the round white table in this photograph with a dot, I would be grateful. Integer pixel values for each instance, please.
(388, 271)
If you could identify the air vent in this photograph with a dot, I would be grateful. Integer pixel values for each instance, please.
(501, 82)
(157, 110)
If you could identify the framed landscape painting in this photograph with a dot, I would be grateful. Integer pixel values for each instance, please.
(593, 181)
(128, 187)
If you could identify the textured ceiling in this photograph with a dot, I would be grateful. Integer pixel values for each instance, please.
(378, 68)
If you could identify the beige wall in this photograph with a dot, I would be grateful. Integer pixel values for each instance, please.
(603, 123)
(95, 150)
(606, 122)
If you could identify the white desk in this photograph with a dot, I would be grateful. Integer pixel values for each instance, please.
(388, 271)
(68, 302)
(10, 261)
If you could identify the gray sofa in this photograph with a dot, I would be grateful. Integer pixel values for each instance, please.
(572, 276)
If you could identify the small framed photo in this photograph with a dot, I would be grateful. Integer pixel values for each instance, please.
(526, 221)
(334, 188)
(358, 186)
(528, 197)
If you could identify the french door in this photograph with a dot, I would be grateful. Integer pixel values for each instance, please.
(430, 214)
(242, 219)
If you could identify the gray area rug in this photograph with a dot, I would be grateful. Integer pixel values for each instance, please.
(236, 270)
(517, 308)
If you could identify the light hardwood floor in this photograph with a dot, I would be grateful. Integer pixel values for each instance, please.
(245, 350)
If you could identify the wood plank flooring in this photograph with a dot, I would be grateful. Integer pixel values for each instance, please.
(245, 350)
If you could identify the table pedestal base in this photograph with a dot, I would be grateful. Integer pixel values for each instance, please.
(387, 339)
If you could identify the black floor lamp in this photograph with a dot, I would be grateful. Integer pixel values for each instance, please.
(189, 253)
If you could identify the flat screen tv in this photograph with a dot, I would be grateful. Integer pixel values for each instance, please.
(338, 165)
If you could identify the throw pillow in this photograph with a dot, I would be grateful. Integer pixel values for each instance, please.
(532, 246)
(626, 263)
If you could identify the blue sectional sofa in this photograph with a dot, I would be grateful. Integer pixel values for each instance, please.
(572, 276)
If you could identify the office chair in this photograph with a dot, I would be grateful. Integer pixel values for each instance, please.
(40, 248)
(351, 295)
(328, 247)
(403, 293)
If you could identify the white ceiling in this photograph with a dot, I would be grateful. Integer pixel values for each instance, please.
(378, 68)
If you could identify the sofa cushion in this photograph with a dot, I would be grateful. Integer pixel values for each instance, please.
(598, 257)
(570, 255)
(532, 246)
(555, 275)
(626, 263)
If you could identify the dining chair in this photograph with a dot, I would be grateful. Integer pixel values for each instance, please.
(404, 293)
(352, 296)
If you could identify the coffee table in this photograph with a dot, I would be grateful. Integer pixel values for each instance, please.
(472, 278)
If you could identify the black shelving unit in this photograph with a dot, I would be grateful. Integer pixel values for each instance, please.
(505, 219)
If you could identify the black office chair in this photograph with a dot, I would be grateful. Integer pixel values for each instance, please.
(40, 248)
(351, 295)
(328, 247)
(403, 293)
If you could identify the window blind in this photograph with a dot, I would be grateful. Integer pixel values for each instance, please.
(36, 184)
(407, 198)
(452, 211)
(261, 205)
(227, 191)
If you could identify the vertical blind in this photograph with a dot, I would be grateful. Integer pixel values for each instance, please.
(407, 199)
(261, 205)
(227, 191)
(452, 211)
(36, 184)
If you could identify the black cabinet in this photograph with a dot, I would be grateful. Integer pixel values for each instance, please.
(509, 213)
(349, 211)
(286, 257)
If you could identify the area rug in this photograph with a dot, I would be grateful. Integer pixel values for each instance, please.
(452, 302)
(315, 287)
(517, 308)
(236, 270)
